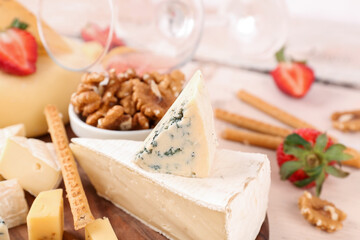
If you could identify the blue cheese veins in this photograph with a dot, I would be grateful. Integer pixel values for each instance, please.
(184, 141)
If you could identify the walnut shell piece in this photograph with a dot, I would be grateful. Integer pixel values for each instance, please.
(86, 102)
(321, 213)
(112, 118)
(346, 121)
(149, 103)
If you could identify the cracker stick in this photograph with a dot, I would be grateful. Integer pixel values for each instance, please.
(273, 111)
(78, 202)
(355, 161)
(250, 138)
(251, 124)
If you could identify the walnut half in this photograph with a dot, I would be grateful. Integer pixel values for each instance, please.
(321, 213)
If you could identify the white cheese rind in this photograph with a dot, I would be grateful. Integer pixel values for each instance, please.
(230, 203)
(13, 130)
(13, 206)
(32, 162)
(4, 233)
(183, 143)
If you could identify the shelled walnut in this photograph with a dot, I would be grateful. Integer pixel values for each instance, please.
(321, 213)
(126, 101)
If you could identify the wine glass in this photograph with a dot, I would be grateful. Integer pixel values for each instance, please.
(159, 34)
(245, 29)
(258, 28)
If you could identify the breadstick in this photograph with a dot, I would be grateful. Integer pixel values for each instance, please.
(273, 111)
(78, 202)
(250, 138)
(355, 161)
(251, 124)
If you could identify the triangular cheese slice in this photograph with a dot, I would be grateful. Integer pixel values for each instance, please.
(230, 204)
(32, 162)
(183, 143)
(13, 130)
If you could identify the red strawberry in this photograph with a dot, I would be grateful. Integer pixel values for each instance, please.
(307, 156)
(93, 32)
(292, 77)
(18, 50)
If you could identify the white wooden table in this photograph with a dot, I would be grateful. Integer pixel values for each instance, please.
(285, 219)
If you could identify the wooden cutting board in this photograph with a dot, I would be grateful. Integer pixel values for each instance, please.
(126, 227)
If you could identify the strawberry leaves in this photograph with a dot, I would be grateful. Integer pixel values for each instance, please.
(316, 160)
(288, 168)
(16, 23)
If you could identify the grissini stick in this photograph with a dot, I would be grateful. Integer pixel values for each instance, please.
(355, 161)
(75, 192)
(251, 124)
(273, 111)
(251, 138)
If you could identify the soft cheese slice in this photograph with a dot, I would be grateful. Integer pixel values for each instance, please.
(32, 162)
(46, 216)
(183, 142)
(100, 229)
(13, 130)
(4, 232)
(13, 206)
(230, 204)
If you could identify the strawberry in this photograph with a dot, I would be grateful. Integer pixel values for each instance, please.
(18, 50)
(93, 32)
(307, 156)
(292, 77)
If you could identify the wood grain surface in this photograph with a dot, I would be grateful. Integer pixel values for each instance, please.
(126, 227)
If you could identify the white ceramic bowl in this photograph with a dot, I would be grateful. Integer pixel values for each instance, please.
(81, 129)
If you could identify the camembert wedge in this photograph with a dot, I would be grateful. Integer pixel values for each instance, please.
(10, 131)
(13, 206)
(32, 162)
(4, 232)
(183, 143)
(229, 204)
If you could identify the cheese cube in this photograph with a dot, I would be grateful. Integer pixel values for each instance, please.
(183, 143)
(100, 229)
(230, 204)
(13, 206)
(4, 233)
(32, 162)
(46, 216)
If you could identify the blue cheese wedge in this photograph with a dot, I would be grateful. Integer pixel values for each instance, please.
(4, 233)
(183, 143)
(13, 206)
(229, 204)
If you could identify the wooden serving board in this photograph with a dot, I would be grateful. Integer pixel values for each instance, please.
(126, 227)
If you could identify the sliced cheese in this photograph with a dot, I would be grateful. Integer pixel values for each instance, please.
(183, 142)
(32, 162)
(13, 206)
(13, 130)
(4, 232)
(230, 204)
(100, 229)
(5, 133)
(46, 216)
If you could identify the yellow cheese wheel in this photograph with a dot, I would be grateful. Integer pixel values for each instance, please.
(22, 99)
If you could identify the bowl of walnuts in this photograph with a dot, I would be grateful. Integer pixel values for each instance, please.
(111, 105)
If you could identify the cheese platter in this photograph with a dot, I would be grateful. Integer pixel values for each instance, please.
(125, 226)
